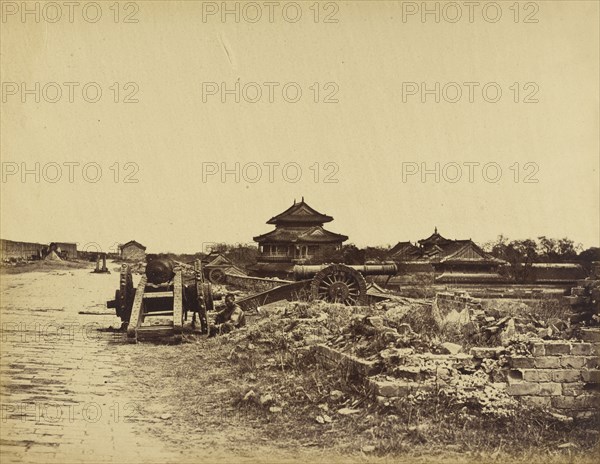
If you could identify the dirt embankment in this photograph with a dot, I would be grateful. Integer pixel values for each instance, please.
(42, 266)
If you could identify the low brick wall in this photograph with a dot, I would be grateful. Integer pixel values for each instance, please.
(349, 365)
(559, 375)
(254, 284)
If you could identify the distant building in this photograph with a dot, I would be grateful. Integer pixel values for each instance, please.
(405, 251)
(216, 265)
(132, 251)
(64, 250)
(556, 273)
(11, 250)
(452, 261)
(298, 237)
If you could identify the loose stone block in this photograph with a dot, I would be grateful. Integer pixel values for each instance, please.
(485, 353)
(547, 362)
(524, 388)
(566, 375)
(557, 348)
(537, 401)
(563, 402)
(591, 376)
(573, 362)
(388, 389)
(591, 335)
(391, 388)
(581, 349)
(538, 349)
(573, 388)
(550, 389)
(536, 375)
(408, 372)
(521, 362)
(576, 402)
(585, 415)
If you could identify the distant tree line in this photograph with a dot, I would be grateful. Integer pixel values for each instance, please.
(188, 258)
(351, 254)
(521, 253)
(240, 254)
(515, 252)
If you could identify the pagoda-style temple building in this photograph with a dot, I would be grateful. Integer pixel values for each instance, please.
(298, 238)
(452, 261)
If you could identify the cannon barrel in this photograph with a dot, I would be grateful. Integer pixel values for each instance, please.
(160, 270)
(302, 272)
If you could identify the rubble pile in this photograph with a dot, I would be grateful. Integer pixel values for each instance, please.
(297, 324)
(476, 385)
(367, 336)
(492, 323)
(490, 328)
(377, 350)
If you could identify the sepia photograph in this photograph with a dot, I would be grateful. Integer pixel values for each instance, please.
(326, 231)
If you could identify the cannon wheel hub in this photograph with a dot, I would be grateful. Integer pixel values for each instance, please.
(340, 284)
(338, 291)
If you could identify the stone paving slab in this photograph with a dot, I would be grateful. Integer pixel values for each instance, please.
(63, 384)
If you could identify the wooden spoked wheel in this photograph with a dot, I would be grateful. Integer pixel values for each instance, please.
(125, 294)
(216, 276)
(339, 284)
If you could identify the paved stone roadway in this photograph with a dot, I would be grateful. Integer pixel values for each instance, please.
(63, 392)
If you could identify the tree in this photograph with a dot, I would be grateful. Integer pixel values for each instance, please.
(498, 247)
(557, 250)
(567, 249)
(547, 248)
(376, 253)
(351, 254)
(520, 254)
(240, 254)
(588, 256)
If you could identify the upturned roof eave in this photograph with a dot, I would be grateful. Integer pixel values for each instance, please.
(315, 218)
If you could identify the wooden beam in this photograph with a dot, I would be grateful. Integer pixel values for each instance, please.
(178, 303)
(158, 295)
(158, 313)
(136, 311)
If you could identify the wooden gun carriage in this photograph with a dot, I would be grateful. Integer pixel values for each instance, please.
(162, 292)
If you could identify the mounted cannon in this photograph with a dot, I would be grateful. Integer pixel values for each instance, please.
(161, 292)
(334, 283)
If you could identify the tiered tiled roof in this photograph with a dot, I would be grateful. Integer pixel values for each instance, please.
(436, 248)
(300, 213)
(300, 224)
(315, 234)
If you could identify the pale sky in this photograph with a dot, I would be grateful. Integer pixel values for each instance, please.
(370, 60)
